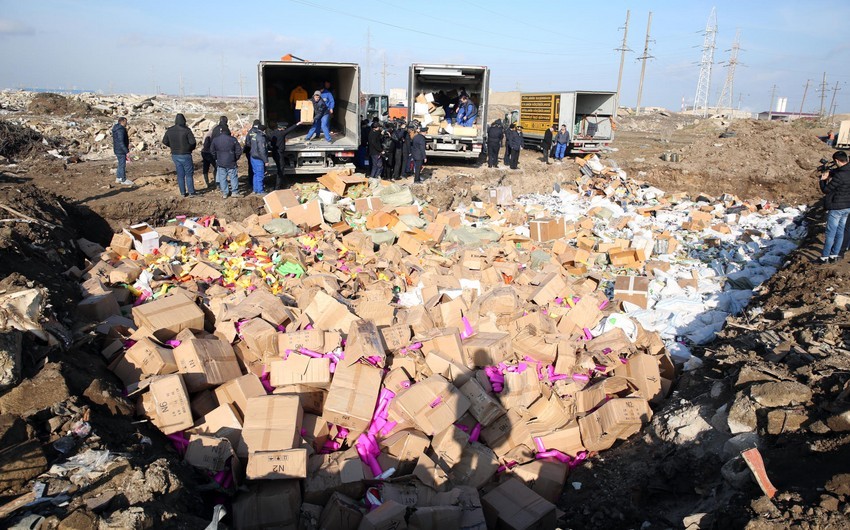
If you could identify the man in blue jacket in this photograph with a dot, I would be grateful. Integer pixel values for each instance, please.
(467, 112)
(121, 147)
(321, 115)
(258, 154)
(182, 142)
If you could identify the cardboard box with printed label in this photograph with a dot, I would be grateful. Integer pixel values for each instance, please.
(367, 204)
(513, 506)
(150, 358)
(567, 439)
(544, 477)
(432, 404)
(271, 423)
(276, 465)
(388, 516)
(487, 348)
(170, 402)
(208, 452)
(352, 396)
(484, 407)
(205, 363)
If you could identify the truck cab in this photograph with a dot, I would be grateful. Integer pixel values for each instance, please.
(375, 106)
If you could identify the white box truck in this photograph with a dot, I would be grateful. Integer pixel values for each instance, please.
(588, 115)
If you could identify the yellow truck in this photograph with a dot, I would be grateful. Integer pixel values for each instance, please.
(588, 115)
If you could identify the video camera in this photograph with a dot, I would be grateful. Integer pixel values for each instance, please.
(826, 165)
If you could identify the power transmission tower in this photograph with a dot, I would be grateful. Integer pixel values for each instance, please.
(832, 102)
(772, 98)
(704, 83)
(726, 95)
(805, 90)
(241, 84)
(622, 49)
(182, 89)
(384, 74)
(369, 50)
(643, 58)
(822, 95)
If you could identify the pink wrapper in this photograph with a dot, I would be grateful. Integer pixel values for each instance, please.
(467, 329)
(476, 432)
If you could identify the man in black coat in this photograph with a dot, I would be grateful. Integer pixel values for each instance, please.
(417, 153)
(222, 125)
(402, 150)
(514, 142)
(226, 150)
(207, 159)
(495, 133)
(375, 149)
(182, 142)
(548, 137)
(121, 147)
(835, 184)
(277, 143)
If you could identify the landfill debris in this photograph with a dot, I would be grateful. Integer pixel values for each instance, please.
(505, 341)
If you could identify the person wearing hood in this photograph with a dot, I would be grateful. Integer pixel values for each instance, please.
(514, 142)
(548, 138)
(222, 124)
(494, 143)
(207, 158)
(121, 148)
(226, 151)
(277, 139)
(182, 142)
(258, 154)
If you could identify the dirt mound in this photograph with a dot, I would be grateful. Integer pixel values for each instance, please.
(18, 141)
(57, 105)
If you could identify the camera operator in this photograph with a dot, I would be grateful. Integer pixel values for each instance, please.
(835, 184)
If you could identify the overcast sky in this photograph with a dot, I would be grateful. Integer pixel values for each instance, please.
(141, 47)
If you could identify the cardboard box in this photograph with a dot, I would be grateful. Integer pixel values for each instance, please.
(223, 421)
(549, 287)
(387, 516)
(238, 390)
(268, 504)
(341, 512)
(458, 130)
(150, 358)
(477, 466)
(145, 238)
(340, 181)
(300, 369)
(450, 219)
(402, 449)
(458, 374)
(484, 407)
(436, 517)
(585, 314)
(271, 423)
(632, 289)
(312, 399)
(311, 339)
(98, 307)
(487, 349)
(645, 372)
(352, 396)
(544, 477)
(531, 342)
(208, 452)
(432, 404)
(367, 204)
(278, 201)
(521, 389)
(545, 229)
(447, 446)
(507, 433)
(121, 243)
(567, 439)
(431, 474)
(206, 362)
(307, 215)
(512, 505)
(445, 341)
(395, 337)
(276, 465)
(341, 471)
(168, 316)
(616, 419)
(170, 401)
(325, 312)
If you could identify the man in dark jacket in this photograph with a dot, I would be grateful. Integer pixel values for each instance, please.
(258, 154)
(402, 150)
(514, 142)
(321, 117)
(121, 147)
(835, 184)
(226, 150)
(375, 150)
(182, 142)
(494, 143)
(467, 112)
(222, 125)
(388, 150)
(207, 159)
(417, 153)
(277, 141)
(548, 136)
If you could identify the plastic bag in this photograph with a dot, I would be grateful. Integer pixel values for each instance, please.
(281, 227)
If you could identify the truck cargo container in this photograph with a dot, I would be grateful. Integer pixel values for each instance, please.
(587, 114)
(276, 81)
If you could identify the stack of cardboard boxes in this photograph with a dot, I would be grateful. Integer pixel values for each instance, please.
(433, 117)
(303, 367)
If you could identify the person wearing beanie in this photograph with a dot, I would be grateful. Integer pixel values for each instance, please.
(258, 156)
(226, 151)
(321, 118)
(182, 142)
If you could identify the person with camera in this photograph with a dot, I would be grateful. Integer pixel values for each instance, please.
(835, 184)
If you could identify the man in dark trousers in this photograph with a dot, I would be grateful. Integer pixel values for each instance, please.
(417, 153)
(388, 150)
(495, 133)
(562, 142)
(514, 142)
(277, 139)
(207, 159)
(258, 154)
(121, 147)
(548, 137)
(321, 115)
(402, 149)
(226, 150)
(182, 142)
(375, 149)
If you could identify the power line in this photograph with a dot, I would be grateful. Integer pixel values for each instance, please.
(643, 58)
(325, 9)
(706, 63)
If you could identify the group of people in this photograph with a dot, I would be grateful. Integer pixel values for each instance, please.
(513, 144)
(395, 149)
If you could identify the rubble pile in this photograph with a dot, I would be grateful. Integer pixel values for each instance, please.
(354, 354)
(84, 120)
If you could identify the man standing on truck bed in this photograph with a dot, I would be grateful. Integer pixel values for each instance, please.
(321, 115)
(467, 112)
(494, 143)
(182, 142)
(258, 157)
(277, 141)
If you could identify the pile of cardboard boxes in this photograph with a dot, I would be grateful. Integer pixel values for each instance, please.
(433, 117)
(345, 383)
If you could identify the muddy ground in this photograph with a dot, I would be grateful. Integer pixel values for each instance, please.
(794, 334)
